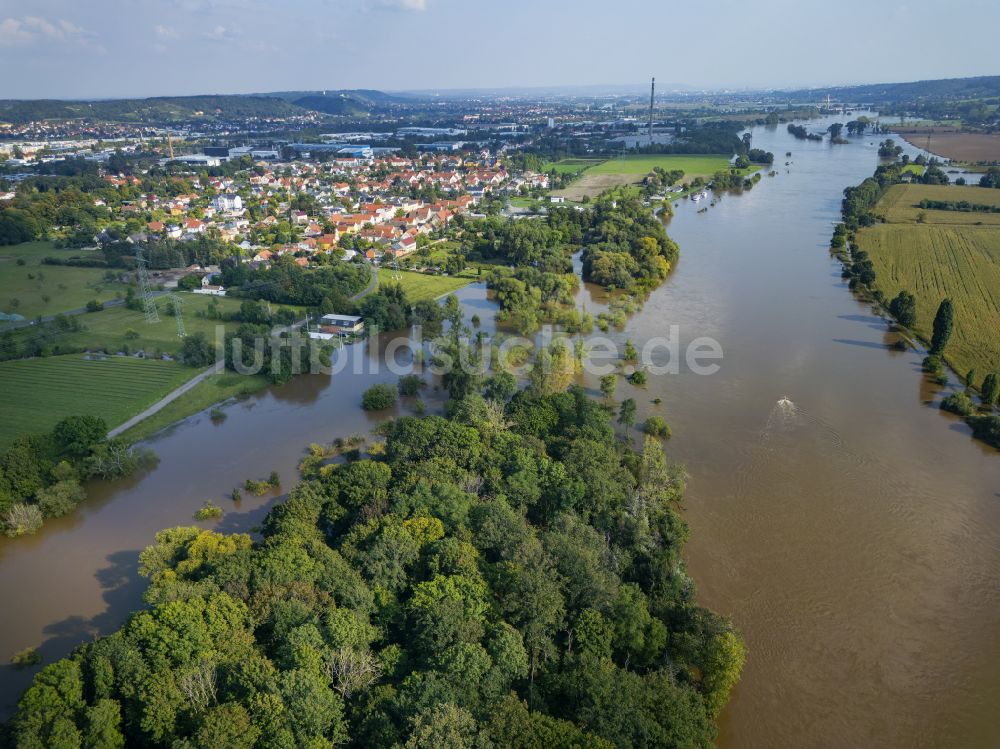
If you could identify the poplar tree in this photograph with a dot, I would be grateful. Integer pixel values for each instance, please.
(943, 321)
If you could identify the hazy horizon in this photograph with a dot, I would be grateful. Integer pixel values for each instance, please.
(104, 50)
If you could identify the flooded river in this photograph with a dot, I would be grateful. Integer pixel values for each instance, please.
(851, 530)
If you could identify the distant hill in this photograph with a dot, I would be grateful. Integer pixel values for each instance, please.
(352, 102)
(154, 110)
(164, 109)
(914, 91)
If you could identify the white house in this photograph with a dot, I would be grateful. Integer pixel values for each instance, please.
(207, 287)
(228, 203)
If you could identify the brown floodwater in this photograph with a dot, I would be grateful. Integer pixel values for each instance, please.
(852, 531)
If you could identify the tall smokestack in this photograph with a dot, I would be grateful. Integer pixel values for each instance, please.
(652, 95)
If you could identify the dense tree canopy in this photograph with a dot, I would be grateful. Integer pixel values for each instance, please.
(625, 245)
(511, 576)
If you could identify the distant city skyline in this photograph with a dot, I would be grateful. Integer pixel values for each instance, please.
(105, 49)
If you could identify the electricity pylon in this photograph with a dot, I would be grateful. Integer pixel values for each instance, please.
(178, 303)
(148, 303)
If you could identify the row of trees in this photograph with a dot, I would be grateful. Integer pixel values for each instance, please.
(798, 131)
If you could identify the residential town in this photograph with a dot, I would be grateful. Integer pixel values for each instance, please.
(383, 208)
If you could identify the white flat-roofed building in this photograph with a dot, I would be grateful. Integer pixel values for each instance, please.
(342, 324)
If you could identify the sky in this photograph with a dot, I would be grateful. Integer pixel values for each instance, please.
(124, 48)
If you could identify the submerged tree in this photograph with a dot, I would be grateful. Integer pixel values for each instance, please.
(626, 414)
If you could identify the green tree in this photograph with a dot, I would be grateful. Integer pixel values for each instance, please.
(315, 709)
(197, 350)
(60, 498)
(722, 669)
(379, 396)
(227, 725)
(445, 726)
(626, 414)
(189, 282)
(943, 322)
(656, 426)
(46, 716)
(991, 389)
(409, 385)
(103, 726)
(446, 610)
(75, 436)
(609, 383)
(500, 387)
(904, 308)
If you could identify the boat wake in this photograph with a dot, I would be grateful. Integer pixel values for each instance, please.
(785, 414)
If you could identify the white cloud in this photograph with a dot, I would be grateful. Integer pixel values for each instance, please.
(164, 32)
(220, 33)
(414, 5)
(12, 31)
(33, 28)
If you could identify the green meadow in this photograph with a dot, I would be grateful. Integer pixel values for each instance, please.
(29, 288)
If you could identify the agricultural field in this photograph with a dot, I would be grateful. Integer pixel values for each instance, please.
(934, 261)
(570, 166)
(955, 145)
(632, 169)
(694, 165)
(901, 204)
(29, 288)
(420, 286)
(37, 393)
(121, 329)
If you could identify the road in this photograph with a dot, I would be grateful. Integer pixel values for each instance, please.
(168, 398)
(370, 287)
(219, 366)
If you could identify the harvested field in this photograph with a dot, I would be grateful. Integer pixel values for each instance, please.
(936, 260)
(632, 169)
(591, 185)
(959, 146)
